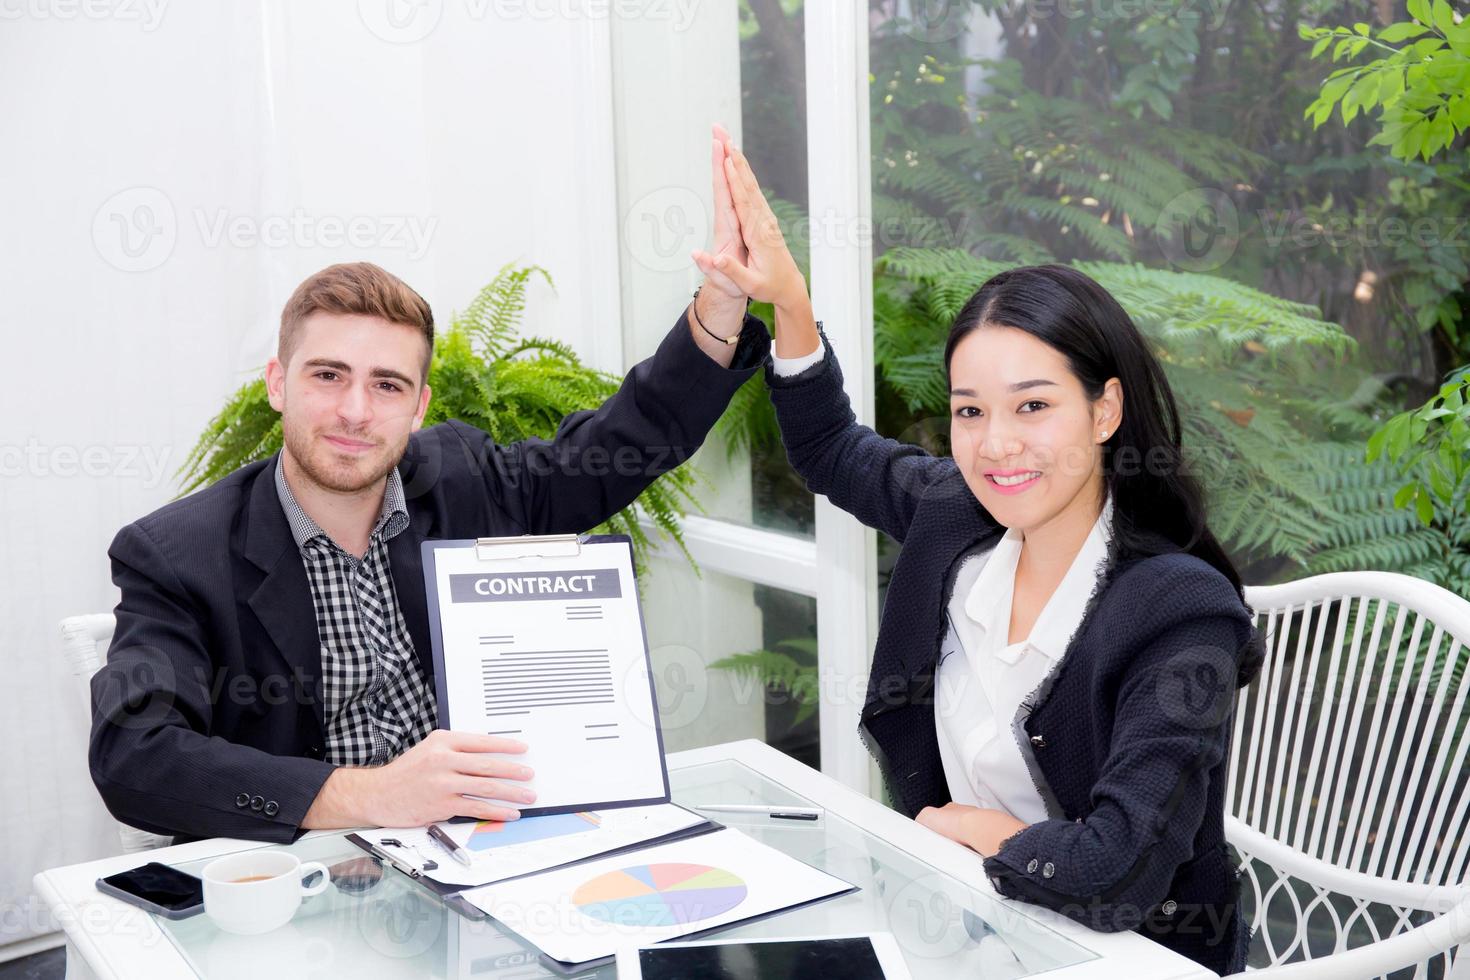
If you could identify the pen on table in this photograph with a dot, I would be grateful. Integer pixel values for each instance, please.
(381, 854)
(449, 844)
(775, 812)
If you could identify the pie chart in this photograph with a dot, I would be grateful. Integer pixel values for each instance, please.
(659, 894)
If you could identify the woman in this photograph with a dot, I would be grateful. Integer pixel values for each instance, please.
(1062, 636)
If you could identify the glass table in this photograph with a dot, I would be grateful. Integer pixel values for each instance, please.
(376, 922)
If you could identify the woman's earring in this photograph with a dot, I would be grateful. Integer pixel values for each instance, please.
(1104, 433)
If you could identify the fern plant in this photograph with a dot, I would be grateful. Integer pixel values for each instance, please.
(1015, 174)
(790, 669)
(484, 373)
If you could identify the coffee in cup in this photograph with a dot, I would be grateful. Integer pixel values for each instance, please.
(257, 891)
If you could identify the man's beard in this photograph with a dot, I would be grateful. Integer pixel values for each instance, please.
(316, 460)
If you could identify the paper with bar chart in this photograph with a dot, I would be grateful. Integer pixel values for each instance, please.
(550, 650)
(586, 911)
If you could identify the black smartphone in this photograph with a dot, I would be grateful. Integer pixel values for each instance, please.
(157, 888)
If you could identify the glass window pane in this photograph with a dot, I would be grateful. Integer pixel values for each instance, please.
(731, 660)
(1272, 262)
(741, 65)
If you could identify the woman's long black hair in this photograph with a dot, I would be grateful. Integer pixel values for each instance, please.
(1143, 463)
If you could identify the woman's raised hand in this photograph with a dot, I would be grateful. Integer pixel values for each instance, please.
(767, 272)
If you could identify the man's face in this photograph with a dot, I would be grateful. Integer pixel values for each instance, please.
(349, 398)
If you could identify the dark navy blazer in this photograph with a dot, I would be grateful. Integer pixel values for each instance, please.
(207, 718)
(1126, 739)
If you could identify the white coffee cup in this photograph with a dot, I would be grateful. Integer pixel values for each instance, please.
(257, 891)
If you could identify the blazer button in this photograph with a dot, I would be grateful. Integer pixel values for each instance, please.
(1031, 866)
(1048, 870)
(243, 800)
(272, 808)
(1039, 741)
(1169, 907)
(256, 802)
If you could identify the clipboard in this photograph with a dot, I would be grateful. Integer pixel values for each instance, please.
(612, 654)
(413, 864)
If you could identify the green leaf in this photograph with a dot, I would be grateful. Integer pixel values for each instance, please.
(1444, 16)
(1402, 31)
(1334, 89)
(1390, 85)
(1320, 46)
(1413, 140)
(1424, 509)
(1440, 484)
(1375, 444)
(1419, 10)
(1452, 459)
(1405, 494)
(1398, 435)
(1458, 109)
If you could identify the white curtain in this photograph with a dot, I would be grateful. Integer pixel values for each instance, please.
(168, 172)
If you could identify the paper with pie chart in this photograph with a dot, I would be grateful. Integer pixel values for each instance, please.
(501, 850)
(586, 911)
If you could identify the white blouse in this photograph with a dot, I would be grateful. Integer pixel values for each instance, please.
(983, 679)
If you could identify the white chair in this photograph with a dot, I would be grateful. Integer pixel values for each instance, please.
(84, 642)
(1348, 793)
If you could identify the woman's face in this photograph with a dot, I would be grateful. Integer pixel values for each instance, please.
(1024, 432)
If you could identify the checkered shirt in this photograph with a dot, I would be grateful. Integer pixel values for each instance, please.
(376, 703)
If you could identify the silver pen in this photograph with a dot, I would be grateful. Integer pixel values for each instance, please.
(407, 869)
(774, 812)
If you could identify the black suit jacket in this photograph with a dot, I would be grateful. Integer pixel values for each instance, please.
(207, 718)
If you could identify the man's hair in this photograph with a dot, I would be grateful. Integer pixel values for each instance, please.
(356, 288)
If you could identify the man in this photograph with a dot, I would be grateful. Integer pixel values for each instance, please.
(271, 671)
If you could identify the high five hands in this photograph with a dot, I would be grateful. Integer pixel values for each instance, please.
(750, 255)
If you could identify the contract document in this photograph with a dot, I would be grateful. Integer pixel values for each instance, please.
(541, 639)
